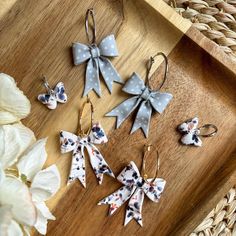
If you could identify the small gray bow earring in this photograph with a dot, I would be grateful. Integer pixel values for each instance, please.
(144, 97)
(96, 55)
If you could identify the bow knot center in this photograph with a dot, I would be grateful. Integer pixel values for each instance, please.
(94, 51)
(140, 182)
(84, 141)
(145, 94)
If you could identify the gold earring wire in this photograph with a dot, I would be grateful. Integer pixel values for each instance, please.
(147, 149)
(81, 131)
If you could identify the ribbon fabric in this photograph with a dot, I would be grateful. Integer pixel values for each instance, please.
(71, 142)
(97, 61)
(145, 98)
(134, 190)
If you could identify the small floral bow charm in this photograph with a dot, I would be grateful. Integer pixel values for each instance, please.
(143, 97)
(53, 96)
(71, 142)
(191, 132)
(134, 190)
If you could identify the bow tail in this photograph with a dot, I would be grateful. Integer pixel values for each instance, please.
(123, 110)
(77, 170)
(142, 119)
(99, 165)
(92, 78)
(134, 209)
(109, 73)
(116, 199)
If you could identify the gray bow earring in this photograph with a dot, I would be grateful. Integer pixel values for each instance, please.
(96, 55)
(144, 97)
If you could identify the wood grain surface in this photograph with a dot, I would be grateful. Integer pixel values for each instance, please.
(36, 39)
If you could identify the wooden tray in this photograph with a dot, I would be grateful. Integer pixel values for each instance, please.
(36, 38)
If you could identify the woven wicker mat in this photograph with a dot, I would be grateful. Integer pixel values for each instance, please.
(216, 19)
(221, 221)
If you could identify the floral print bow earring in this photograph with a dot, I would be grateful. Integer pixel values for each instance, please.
(191, 133)
(134, 188)
(96, 56)
(85, 140)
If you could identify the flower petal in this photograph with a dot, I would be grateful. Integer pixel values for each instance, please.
(16, 194)
(14, 229)
(14, 141)
(14, 105)
(43, 215)
(33, 159)
(43, 209)
(45, 184)
(5, 218)
(2, 174)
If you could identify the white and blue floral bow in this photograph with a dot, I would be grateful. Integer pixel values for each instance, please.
(145, 98)
(71, 142)
(134, 190)
(96, 55)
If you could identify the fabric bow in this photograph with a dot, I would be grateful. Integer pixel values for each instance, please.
(97, 61)
(71, 142)
(145, 97)
(135, 187)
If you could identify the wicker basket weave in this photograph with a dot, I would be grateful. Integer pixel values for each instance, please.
(221, 221)
(216, 19)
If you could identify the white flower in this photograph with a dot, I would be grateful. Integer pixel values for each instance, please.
(14, 140)
(44, 183)
(23, 194)
(16, 206)
(14, 105)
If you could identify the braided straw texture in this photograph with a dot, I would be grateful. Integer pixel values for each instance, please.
(221, 221)
(216, 19)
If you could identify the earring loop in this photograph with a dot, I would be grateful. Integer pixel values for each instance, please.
(149, 67)
(81, 131)
(208, 126)
(46, 84)
(147, 148)
(90, 12)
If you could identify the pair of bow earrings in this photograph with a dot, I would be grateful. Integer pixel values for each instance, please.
(143, 96)
(135, 185)
(144, 99)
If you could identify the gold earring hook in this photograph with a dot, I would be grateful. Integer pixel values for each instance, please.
(90, 12)
(81, 131)
(147, 149)
(149, 67)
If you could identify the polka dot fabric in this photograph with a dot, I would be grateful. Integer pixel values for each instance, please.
(97, 62)
(143, 97)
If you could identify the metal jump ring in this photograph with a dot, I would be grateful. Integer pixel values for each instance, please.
(81, 131)
(147, 149)
(46, 84)
(90, 12)
(207, 126)
(150, 64)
